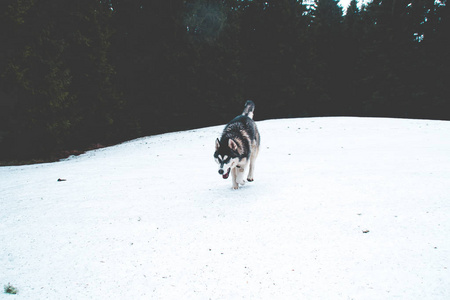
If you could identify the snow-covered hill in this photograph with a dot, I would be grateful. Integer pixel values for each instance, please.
(341, 208)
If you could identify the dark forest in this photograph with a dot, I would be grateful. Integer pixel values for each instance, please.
(78, 74)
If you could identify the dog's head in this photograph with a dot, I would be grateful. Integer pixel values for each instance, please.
(226, 156)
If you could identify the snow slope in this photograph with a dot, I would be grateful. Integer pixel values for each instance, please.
(341, 208)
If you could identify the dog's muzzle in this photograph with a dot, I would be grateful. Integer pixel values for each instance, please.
(224, 176)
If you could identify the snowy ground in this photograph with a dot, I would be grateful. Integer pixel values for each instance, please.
(341, 208)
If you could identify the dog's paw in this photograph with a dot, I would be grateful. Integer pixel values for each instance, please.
(250, 179)
(240, 180)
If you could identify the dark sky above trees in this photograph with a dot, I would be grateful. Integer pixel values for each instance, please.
(78, 73)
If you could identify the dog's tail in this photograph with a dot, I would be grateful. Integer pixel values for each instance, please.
(249, 109)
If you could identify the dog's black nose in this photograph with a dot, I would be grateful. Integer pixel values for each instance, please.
(220, 171)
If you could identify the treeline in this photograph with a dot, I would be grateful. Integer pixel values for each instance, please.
(75, 73)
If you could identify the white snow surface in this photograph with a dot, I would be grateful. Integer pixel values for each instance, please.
(341, 208)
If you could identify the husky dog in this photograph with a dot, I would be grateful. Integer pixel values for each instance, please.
(238, 147)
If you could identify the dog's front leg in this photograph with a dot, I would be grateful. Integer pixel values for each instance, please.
(233, 178)
(240, 174)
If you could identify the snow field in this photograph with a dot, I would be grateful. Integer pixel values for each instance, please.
(341, 208)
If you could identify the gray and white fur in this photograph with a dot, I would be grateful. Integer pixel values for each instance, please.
(238, 147)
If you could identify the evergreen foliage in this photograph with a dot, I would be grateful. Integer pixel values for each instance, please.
(78, 73)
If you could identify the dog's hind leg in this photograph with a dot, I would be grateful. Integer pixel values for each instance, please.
(251, 169)
(252, 165)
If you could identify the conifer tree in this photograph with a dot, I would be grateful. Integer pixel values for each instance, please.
(273, 39)
(327, 53)
(59, 76)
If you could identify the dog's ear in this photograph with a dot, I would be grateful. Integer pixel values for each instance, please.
(217, 144)
(232, 144)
